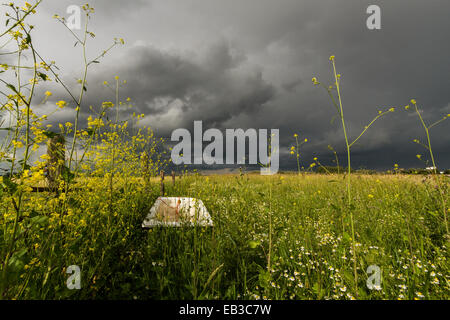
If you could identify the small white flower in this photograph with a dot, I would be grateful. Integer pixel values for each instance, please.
(377, 287)
(435, 281)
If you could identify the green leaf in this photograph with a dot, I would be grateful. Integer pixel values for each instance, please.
(347, 237)
(10, 86)
(10, 185)
(49, 134)
(39, 220)
(16, 263)
(43, 76)
(253, 244)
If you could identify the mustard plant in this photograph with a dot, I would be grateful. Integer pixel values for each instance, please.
(428, 147)
(295, 150)
(337, 103)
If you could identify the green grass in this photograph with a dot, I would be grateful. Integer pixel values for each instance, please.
(302, 220)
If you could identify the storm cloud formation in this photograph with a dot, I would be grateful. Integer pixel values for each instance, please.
(249, 64)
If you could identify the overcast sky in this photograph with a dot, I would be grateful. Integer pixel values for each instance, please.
(249, 64)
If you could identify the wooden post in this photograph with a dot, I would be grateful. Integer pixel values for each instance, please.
(56, 151)
(173, 178)
(162, 183)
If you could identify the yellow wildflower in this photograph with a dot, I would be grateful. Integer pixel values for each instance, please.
(61, 104)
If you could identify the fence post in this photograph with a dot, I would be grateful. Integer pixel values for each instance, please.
(162, 183)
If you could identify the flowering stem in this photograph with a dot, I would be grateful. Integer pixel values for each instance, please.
(441, 192)
(298, 155)
(80, 98)
(348, 176)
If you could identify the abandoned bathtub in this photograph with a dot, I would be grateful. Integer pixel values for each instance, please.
(177, 212)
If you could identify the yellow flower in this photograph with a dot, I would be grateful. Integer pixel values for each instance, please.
(107, 104)
(418, 156)
(295, 135)
(105, 83)
(116, 77)
(68, 124)
(413, 101)
(392, 109)
(315, 159)
(370, 196)
(306, 140)
(332, 58)
(48, 93)
(17, 144)
(26, 7)
(407, 107)
(61, 104)
(312, 165)
(292, 152)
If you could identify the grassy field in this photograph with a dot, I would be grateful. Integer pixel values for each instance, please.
(275, 237)
(286, 236)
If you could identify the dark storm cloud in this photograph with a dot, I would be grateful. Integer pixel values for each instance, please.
(174, 89)
(258, 74)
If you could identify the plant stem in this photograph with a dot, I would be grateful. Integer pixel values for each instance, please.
(348, 177)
